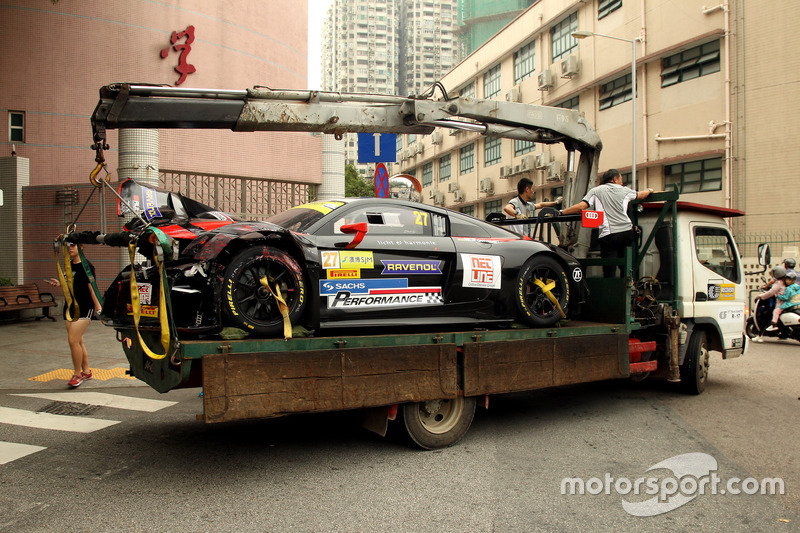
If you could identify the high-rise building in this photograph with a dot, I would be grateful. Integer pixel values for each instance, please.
(429, 48)
(479, 20)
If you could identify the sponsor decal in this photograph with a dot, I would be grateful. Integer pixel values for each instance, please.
(150, 311)
(145, 293)
(361, 286)
(485, 239)
(577, 274)
(721, 291)
(410, 267)
(481, 271)
(344, 273)
(347, 260)
(387, 298)
(150, 204)
(591, 219)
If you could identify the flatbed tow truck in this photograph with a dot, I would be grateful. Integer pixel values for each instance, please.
(684, 295)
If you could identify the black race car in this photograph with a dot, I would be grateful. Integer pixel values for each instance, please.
(354, 263)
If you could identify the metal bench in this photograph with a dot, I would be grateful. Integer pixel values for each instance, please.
(27, 296)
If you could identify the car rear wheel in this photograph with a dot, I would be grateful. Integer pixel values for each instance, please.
(541, 282)
(251, 306)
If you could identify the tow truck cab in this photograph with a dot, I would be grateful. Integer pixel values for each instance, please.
(699, 270)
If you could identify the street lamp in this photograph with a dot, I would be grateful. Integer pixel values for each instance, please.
(585, 34)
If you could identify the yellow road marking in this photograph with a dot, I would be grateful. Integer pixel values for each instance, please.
(97, 373)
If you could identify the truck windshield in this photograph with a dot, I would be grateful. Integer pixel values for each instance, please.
(715, 251)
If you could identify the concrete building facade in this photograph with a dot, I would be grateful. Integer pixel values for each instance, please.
(713, 81)
(57, 55)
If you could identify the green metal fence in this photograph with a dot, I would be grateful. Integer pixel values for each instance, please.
(777, 240)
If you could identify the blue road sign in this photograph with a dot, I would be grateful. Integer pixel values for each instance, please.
(376, 148)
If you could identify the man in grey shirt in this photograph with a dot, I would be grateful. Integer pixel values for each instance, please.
(522, 206)
(616, 232)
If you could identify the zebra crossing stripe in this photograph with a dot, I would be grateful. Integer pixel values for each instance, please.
(20, 417)
(11, 451)
(104, 399)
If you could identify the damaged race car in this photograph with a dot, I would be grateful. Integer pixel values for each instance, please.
(355, 263)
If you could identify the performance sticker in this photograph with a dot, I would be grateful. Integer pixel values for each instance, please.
(410, 267)
(150, 204)
(377, 293)
(721, 291)
(481, 271)
(344, 273)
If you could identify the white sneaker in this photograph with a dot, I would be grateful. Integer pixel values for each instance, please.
(758, 339)
(773, 327)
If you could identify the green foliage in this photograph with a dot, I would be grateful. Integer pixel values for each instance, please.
(355, 186)
(6, 282)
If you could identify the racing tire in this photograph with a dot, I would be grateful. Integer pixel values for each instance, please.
(250, 306)
(438, 423)
(533, 305)
(694, 370)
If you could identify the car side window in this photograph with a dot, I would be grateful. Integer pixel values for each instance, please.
(391, 220)
(715, 251)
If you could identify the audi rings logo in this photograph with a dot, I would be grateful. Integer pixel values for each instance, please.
(577, 274)
(592, 215)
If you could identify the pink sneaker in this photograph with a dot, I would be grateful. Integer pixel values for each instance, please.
(87, 375)
(75, 381)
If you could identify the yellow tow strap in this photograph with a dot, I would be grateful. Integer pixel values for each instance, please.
(284, 309)
(548, 291)
(65, 279)
(162, 247)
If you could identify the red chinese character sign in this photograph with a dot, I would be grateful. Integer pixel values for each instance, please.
(183, 68)
(381, 181)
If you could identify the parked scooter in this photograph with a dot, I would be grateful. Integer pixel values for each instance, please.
(761, 317)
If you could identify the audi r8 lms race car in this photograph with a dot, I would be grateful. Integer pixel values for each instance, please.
(356, 263)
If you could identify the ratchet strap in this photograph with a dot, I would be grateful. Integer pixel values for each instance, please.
(284, 309)
(162, 248)
(548, 291)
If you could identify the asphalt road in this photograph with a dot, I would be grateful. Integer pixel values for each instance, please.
(165, 471)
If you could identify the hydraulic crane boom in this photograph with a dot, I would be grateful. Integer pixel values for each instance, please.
(124, 105)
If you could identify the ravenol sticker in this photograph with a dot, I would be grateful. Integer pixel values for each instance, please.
(481, 271)
(150, 204)
(356, 260)
(416, 296)
(343, 273)
(361, 286)
(721, 291)
(410, 267)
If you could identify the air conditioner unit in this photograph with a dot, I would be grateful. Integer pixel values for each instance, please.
(431, 194)
(570, 67)
(527, 163)
(546, 80)
(542, 160)
(438, 198)
(452, 187)
(487, 185)
(514, 95)
(554, 171)
(420, 148)
(458, 196)
(436, 137)
(517, 169)
(506, 171)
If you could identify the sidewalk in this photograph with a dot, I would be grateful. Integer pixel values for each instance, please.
(39, 349)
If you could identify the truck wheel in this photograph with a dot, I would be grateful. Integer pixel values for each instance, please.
(694, 370)
(438, 423)
(533, 304)
(249, 305)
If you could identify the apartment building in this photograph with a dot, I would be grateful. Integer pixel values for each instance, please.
(715, 100)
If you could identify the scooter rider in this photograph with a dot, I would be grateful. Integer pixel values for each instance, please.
(789, 300)
(776, 287)
(790, 264)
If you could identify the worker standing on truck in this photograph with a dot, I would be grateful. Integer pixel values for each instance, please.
(616, 232)
(521, 206)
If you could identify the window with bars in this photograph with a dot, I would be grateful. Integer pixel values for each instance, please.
(469, 90)
(494, 206)
(689, 64)
(427, 174)
(16, 126)
(467, 159)
(604, 7)
(616, 91)
(491, 82)
(570, 103)
(523, 147)
(524, 62)
(468, 210)
(561, 36)
(695, 176)
(444, 168)
(411, 138)
(492, 151)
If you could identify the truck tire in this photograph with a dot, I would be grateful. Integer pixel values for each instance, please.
(250, 306)
(533, 305)
(438, 423)
(694, 370)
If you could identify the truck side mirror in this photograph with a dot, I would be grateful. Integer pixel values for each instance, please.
(764, 256)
